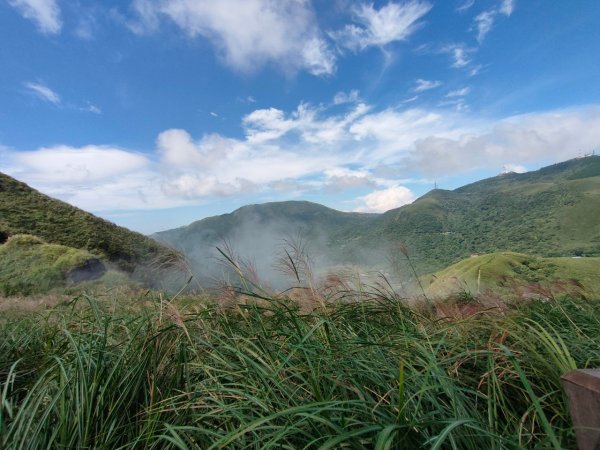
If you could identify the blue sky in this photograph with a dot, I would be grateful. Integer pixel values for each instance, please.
(155, 113)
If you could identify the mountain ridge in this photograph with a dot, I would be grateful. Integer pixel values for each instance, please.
(549, 212)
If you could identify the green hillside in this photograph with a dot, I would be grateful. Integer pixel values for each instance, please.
(28, 265)
(551, 212)
(24, 210)
(505, 271)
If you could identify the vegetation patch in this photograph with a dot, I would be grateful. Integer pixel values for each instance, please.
(369, 373)
(506, 272)
(28, 265)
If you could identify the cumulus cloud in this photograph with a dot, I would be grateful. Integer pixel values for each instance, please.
(44, 13)
(425, 85)
(342, 178)
(64, 164)
(265, 125)
(311, 148)
(42, 92)
(195, 186)
(393, 22)
(385, 199)
(537, 137)
(247, 33)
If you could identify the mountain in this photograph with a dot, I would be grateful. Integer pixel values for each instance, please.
(256, 236)
(24, 210)
(552, 212)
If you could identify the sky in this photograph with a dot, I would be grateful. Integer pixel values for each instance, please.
(156, 113)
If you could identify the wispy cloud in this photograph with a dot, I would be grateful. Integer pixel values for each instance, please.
(484, 21)
(393, 22)
(507, 7)
(92, 108)
(459, 53)
(459, 92)
(422, 85)
(44, 13)
(346, 97)
(465, 6)
(42, 92)
(46, 94)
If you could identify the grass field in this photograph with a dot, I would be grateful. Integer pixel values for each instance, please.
(363, 371)
(502, 271)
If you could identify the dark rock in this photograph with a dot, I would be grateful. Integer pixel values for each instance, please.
(90, 270)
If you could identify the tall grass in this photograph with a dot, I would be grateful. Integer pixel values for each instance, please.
(369, 374)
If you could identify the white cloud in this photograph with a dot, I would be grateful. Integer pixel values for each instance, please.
(310, 148)
(247, 33)
(92, 109)
(507, 7)
(459, 92)
(342, 97)
(342, 178)
(193, 186)
(465, 6)
(42, 92)
(64, 164)
(459, 53)
(516, 168)
(45, 14)
(425, 85)
(484, 21)
(385, 199)
(265, 125)
(537, 137)
(393, 22)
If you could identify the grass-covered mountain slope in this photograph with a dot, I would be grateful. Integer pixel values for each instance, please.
(554, 212)
(508, 271)
(24, 210)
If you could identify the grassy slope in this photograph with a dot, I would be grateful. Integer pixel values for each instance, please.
(30, 266)
(359, 375)
(24, 210)
(499, 270)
